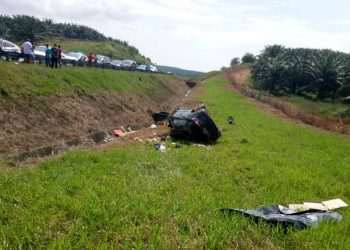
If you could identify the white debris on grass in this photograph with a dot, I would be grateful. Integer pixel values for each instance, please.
(322, 206)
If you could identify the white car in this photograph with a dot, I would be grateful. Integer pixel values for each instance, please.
(128, 65)
(67, 57)
(152, 69)
(39, 50)
(11, 47)
(76, 56)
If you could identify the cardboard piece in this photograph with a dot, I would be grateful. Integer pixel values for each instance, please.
(118, 133)
(323, 206)
(334, 204)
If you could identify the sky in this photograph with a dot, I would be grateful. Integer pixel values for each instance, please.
(202, 35)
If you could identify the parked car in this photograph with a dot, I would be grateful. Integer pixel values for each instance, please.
(116, 64)
(152, 69)
(39, 52)
(141, 68)
(128, 65)
(67, 57)
(11, 47)
(78, 56)
(103, 61)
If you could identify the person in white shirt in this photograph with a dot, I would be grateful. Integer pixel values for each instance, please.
(27, 50)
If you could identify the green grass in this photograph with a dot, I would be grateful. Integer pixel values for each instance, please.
(318, 107)
(23, 80)
(137, 197)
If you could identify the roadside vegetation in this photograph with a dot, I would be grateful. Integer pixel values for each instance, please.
(137, 197)
(321, 74)
(325, 108)
(317, 81)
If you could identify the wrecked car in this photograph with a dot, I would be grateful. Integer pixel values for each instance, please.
(194, 124)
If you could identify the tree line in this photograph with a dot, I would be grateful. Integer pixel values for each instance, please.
(22, 27)
(320, 73)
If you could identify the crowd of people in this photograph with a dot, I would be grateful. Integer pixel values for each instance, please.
(53, 56)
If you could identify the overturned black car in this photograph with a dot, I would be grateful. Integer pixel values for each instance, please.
(194, 124)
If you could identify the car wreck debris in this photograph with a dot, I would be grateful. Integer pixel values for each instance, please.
(160, 147)
(308, 217)
(230, 120)
(160, 116)
(194, 124)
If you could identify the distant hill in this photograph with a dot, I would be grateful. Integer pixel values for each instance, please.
(179, 72)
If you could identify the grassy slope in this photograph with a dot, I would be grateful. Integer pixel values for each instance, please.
(314, 106)
(21, 80)
(137, 196)
(318, 107)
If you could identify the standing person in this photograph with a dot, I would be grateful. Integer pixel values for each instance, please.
(33, 55)
(90, 59)
(1, 45)
(54, 56)
(59, 55)
(47, 56)
(95, 59)
(27, 50)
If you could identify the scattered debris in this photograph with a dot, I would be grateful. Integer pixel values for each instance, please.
(195, 124)
(176, 145)
(153, 126)
(323, 206)
(123, 129)
(160, 116)
(191, 84)
(100, 137)
(160, 147)
(107, 139)
(118, 133)
(296, 214)
(138, 139)
(230, 120)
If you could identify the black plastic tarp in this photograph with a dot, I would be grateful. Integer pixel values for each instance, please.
(281, 214)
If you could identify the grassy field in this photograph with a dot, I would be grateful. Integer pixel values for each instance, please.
(137, 197)
(23, 80)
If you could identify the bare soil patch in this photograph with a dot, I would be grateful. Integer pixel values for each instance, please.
(46, 120)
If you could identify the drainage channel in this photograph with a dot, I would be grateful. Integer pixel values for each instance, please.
(96, 138)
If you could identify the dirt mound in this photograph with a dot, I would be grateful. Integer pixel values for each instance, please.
(45, 120)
